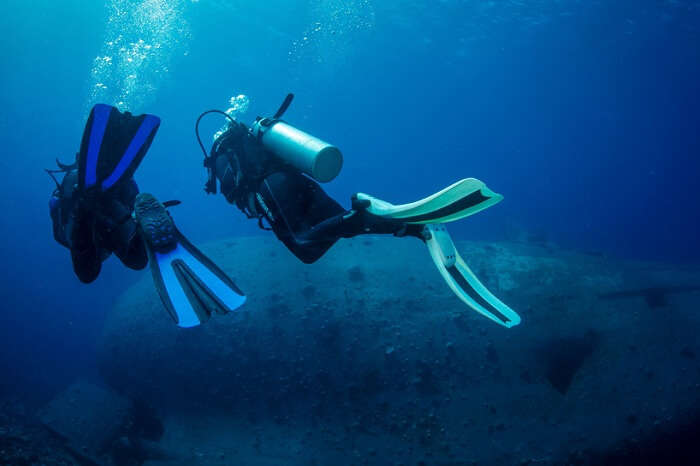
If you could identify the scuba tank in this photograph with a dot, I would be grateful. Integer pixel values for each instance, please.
(307, 153)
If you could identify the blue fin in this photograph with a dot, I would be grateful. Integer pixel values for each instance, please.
(190, 285)
(113, 145)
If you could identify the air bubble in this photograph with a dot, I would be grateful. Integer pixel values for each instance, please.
(142, 37)
(239, 106)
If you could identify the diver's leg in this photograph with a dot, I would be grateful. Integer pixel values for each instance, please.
(291, 204)
(86, 265)
(84, 252)
(123, 236)
(358, 222)
(309, 222)
(129, 246)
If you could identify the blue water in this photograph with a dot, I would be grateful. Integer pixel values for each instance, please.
(583, 114)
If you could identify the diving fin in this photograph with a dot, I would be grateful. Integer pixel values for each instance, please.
(190, 285)
(463, 281)
(461, 199)
(113, 145)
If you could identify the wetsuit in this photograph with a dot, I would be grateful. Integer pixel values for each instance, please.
(297, 209)
(93, 234)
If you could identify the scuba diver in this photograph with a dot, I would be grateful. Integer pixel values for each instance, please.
(271, 170)
(97, 210)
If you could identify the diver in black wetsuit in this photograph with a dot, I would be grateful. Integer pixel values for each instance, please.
(269, 171)
(96, 210)
(91, 206)
(297, 209)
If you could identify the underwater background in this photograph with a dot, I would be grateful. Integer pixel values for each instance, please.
(583, 113)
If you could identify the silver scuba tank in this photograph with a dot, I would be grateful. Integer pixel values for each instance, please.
(318, 159)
